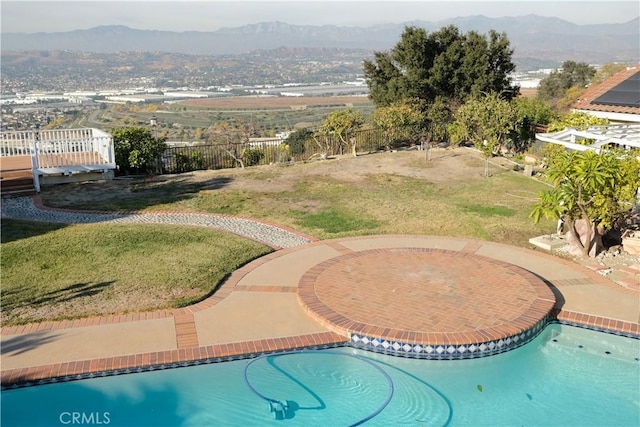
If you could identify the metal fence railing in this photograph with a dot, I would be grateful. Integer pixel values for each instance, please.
(221, 156)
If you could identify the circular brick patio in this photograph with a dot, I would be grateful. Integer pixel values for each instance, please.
(420, 301)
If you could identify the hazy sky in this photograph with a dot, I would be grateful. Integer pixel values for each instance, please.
(51, 16)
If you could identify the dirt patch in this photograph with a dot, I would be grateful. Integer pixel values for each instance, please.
(448, 166)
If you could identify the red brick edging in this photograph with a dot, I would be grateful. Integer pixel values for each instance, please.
(63, 371)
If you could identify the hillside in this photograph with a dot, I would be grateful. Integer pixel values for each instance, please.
(537, 40)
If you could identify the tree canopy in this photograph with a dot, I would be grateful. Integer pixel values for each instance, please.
(607, 71)
(444, 63)
(341, 123)
(575, 119)
(486, 121)
(529, 113)
(395, 118)
(233, 138)
(564, 86)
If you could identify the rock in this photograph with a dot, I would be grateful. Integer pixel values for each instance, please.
(615, 250)
(577, 241)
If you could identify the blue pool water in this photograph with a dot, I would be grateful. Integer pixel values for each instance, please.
(566, 376)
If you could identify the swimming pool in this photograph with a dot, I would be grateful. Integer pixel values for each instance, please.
(566, 376)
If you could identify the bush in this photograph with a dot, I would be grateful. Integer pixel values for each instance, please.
(253, 156)
(197, 161)
(297, 140)
(137, 150)
(551, 151)
(183, 162)
(284, 153)
(188, 163)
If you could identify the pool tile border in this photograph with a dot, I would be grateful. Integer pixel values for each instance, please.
(145, 362)
(597, 323)
(444, 350)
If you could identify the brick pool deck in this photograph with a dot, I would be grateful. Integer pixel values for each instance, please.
(417, 289)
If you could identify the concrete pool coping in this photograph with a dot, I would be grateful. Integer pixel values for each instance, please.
(259, 303)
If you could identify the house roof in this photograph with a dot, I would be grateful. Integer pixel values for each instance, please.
(618, 94)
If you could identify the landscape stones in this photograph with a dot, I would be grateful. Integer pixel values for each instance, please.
(24, 208)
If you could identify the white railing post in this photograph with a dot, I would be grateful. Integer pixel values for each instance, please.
(35, 164)
(60, 151)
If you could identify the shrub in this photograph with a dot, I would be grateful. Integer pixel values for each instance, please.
(284, 153)
(188, 163)
(197, 161)
(296, 141)
(253, 156)
(137, 150)
(182, 162)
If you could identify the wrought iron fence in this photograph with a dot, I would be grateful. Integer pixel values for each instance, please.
(222, 156)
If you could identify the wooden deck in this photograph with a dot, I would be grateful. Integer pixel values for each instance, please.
(56, 155)
(53, 161)
(16, 176)
(15, 163)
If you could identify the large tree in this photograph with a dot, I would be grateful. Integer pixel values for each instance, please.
(563, 87)
(590, 192)
(444, 63)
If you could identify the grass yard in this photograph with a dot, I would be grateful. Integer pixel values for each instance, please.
(106, 269)
(52, 271)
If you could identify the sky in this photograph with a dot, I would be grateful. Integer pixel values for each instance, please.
(26, 16)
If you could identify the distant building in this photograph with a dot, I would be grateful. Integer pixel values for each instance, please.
(264, 142)
(188, 94)
(136, 99)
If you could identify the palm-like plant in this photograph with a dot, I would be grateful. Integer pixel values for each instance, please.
(590, 188)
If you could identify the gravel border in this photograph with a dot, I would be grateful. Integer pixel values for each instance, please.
(24, 208)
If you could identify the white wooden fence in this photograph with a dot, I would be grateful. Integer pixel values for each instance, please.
(60, 151)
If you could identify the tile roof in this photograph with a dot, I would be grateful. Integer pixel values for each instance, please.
(585, 102)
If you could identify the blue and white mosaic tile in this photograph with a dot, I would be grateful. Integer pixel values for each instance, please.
(446, 351)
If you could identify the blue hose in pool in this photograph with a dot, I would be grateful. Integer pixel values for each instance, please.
(282, 405)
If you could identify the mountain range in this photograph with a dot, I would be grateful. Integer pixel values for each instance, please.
(532, 36)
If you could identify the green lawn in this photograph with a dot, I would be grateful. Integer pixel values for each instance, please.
(53, 272)
(496, 208)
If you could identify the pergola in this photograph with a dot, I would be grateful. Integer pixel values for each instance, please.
(597, 138)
